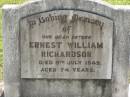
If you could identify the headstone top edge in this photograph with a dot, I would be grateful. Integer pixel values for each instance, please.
(10, 6)
(122, 7)
(17, 6)
(101, 2)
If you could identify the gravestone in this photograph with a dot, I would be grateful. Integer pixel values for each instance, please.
(66, 48)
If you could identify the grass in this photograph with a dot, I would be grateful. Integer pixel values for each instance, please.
(119, 2)
(1, 48)
(2, 2)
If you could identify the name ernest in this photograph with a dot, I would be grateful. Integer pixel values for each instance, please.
(68, 53)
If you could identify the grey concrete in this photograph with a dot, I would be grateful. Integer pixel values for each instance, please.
(15, 86)
(98, 45)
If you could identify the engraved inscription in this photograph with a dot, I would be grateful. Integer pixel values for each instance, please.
(66, 44)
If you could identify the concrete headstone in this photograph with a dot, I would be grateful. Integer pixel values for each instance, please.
(66, 44)
(66, 48)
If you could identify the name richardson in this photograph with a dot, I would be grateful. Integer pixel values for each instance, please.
(71, 45)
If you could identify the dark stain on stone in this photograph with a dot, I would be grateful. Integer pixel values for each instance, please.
(103, 84)
(83, 82)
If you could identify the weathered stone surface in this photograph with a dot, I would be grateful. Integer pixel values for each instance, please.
(15, 86)
(66, 44)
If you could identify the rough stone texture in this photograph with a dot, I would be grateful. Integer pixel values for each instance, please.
(17, 87)
(33, 58)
